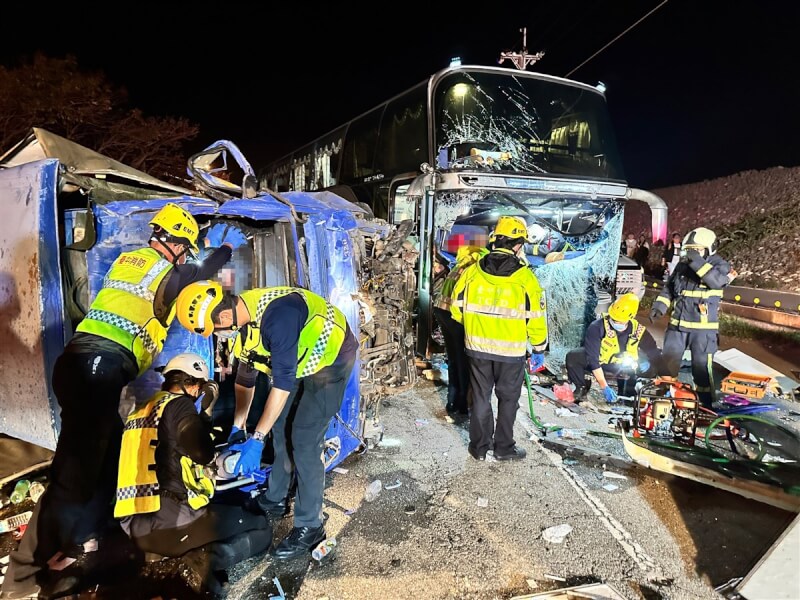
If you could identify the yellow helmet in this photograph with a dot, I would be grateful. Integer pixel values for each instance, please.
(700, 239)
(624, 308)
(510, 227)
(195, 304)
(178, 224)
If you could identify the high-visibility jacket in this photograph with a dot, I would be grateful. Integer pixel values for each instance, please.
(695, 291)
(138, 490)
(123, 309)
(609, 346)
(501, 314)
(444, 299)
(321, 337)
(248, 349)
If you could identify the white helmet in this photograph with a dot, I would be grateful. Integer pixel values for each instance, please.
(190, 363)
(701, 239)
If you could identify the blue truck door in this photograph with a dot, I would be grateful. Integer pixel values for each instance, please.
(31, 302)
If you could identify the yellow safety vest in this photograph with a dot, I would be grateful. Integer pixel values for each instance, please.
(248, 349)
(501, 314)
(138, 491)
(609, 346)
(321, 337)
(123, 309)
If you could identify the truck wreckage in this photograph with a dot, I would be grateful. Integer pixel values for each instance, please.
(69, 211)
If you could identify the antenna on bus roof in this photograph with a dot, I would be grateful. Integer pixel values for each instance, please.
(522, 59)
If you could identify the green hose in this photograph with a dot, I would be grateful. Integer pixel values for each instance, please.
(761, 449)
(534, 418)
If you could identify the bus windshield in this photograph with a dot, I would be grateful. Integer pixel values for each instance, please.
(518, 123)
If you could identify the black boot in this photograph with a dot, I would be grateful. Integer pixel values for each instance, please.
(299, 542)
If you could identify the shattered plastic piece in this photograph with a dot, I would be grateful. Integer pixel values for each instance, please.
(15, 522)
(36, 490)
(482, 502)
(421, 422)
(612, 475)
(557, 534)
(373, 490)
(565, 412)
(554, 577)
(281, 595)
(610, 487)
(340, 470)
(393, 486)
(569, 461)
(769, 458)
(350, 511)
(323, 549)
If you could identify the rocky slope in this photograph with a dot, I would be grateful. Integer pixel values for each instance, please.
(756, 214)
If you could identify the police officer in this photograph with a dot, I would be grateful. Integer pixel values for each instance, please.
(312, 352)
(457, 364)
(116, 341)
(694, 291)
(615, 344)
(164, 497)
(502, 307)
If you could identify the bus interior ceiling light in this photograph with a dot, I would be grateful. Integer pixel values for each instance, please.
(601, 87)
(455, 61)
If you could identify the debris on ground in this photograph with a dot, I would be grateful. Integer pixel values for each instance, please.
(557, 534)
(393, 486)
(595, 591)
(612, 475)
(281, 595)
(373, 490)
(482, 502)
(610, 487)
(340, 470)
(15, 522)
(324, 548)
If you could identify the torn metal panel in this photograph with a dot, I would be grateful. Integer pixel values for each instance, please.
(79, 160)
(31, 302)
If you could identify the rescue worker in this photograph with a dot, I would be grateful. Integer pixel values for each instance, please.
(312, 352)
(458, 400)
(615, 346)
(502, 307)
(164, 496)
(116, 341)
(694, 291)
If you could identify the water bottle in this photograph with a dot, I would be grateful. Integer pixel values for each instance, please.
(373, 490)
(20, 491)
(323, 549)
(570, 433)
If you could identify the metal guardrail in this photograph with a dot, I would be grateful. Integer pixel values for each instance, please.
(770, 306)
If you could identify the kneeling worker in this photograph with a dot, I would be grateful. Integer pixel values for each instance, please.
(312, 352)
(615, 344)
(163, 494)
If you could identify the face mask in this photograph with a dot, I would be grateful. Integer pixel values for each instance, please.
(618, 326)
(226, 334)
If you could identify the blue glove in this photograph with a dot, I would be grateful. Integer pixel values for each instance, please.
(610, 394)
(644, 365)
(536, 361)
(214, 235)
(250, 458)
(234, 237)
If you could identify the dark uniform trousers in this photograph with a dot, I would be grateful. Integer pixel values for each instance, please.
(702, 345)
(457, 363)
(577, 370)
(506, 379)
(78, 503)
(298, 437)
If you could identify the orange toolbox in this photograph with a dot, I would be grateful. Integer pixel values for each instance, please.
(748, 385)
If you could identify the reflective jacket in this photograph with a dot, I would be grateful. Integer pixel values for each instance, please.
(444, 299)
(138, 489)
(609, 346)
(248, 350)
(320, 339)
(501, 314)
(694, 290)
(123, 309)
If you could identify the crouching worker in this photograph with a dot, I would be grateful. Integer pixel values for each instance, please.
(616, 346)
(163, 492)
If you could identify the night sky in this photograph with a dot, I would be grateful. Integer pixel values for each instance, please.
(699, 89)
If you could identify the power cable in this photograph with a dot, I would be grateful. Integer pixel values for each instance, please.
(616, 38)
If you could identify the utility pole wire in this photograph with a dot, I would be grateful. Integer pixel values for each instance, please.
(616, 38)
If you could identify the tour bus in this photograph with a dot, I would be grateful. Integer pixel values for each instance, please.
(470, 144)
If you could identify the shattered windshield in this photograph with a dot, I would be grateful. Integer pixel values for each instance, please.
(554, 220)
(524, 124)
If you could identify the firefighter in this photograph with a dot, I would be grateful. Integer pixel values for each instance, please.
(457, 364)
(502, 307)
(116, 341)
(694, 291)
(312, 352)
(164, 496)
(615, 346)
